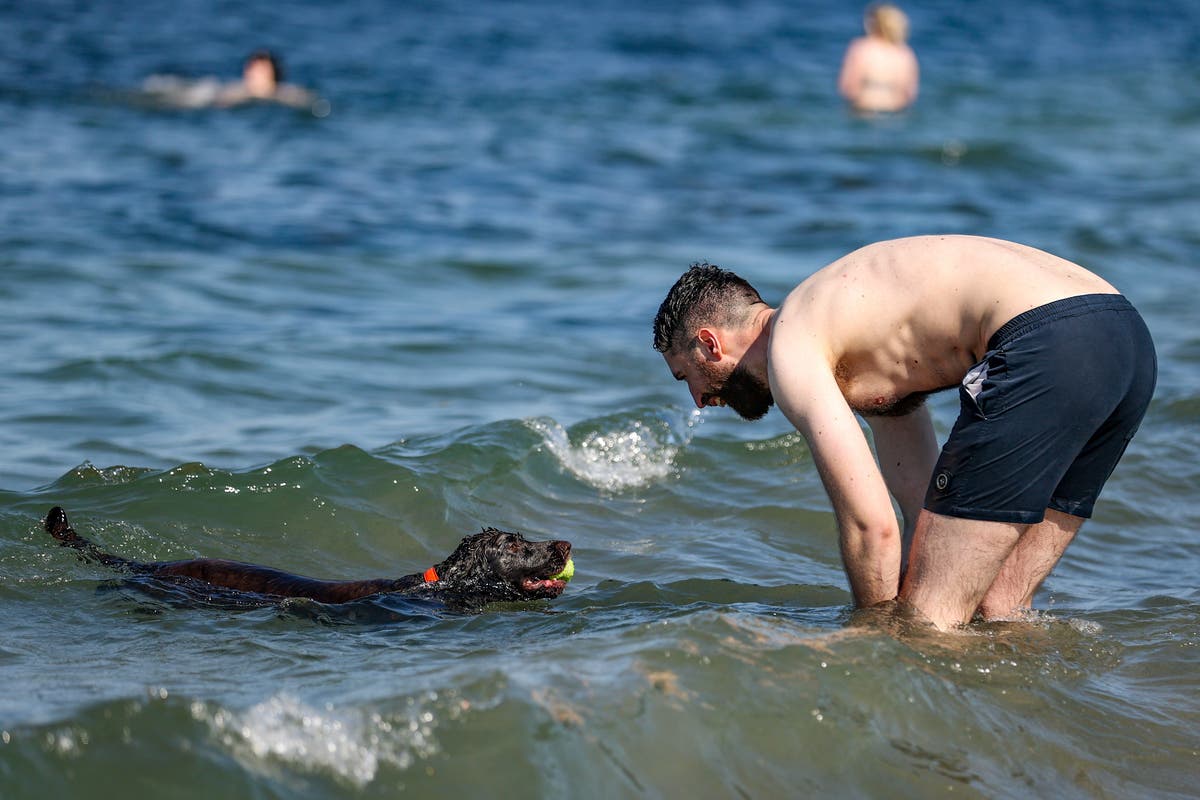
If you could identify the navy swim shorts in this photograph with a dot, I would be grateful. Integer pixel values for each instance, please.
(1047, 414)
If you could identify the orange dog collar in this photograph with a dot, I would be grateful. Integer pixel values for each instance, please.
(431, 575)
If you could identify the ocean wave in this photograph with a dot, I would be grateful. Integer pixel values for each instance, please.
(348, 743)
(618, 453)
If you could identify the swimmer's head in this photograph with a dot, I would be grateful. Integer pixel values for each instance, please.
(262, 73)
(887, 22)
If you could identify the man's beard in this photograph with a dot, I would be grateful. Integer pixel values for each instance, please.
(747, 395)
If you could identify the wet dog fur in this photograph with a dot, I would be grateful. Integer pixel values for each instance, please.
(492, 566)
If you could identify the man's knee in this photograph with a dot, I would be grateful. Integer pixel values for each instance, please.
(953, 563)
(1029, 564)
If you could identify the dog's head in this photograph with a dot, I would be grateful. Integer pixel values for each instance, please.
(499, 566)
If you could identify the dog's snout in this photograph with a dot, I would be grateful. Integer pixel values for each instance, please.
(563, 548)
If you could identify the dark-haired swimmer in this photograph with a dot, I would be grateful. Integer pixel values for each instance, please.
(1054, 368)
(262, 81)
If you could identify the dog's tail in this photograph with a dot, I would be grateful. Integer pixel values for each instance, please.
(60, 528)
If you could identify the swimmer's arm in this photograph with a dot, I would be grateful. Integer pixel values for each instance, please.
(907, 450)
(868, 535)
(232, 94)
(850, 77)
(912, 77)
(295, 96)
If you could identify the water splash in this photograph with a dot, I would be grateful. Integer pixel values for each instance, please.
(622, 454)
(351, 744)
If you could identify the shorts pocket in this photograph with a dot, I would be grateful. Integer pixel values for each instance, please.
(980, 387)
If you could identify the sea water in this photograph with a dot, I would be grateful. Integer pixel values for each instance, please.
(337, 343)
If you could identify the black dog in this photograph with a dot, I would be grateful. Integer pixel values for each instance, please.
(490, 567)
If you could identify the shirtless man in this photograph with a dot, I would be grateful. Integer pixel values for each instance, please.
(879, 71)
(1054, 367)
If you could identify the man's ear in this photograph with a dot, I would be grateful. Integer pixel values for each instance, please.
(710, 343)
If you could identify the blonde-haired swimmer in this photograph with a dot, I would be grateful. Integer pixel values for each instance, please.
(880, 72)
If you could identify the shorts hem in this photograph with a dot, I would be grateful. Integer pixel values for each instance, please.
(989, 515)
(1072, 509)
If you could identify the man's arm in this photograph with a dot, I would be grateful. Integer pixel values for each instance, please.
(907, 451)
(868, 534)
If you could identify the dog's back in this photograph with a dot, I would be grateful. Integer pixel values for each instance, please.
(229, 574)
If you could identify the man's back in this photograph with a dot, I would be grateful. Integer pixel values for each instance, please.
(912, 315)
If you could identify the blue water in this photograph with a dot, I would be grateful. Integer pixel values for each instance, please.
(338, 343)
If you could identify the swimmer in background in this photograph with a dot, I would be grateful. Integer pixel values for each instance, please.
(879, 71)
(262, 81)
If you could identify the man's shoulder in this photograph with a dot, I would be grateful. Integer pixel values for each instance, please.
(798, 324)
(799, 362)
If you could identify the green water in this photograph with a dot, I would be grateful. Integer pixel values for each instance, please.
(336, 345)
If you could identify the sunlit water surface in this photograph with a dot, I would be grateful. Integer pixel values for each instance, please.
(337, 343)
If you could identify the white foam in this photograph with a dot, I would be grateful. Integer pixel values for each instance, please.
(351, 744)
(1086, 627)
(633, 453)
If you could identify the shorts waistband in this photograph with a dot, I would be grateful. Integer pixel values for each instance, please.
(1059, 309)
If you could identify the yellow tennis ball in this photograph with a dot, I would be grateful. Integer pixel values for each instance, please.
(568, 571)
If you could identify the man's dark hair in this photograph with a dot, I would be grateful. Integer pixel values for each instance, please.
(704, 295)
